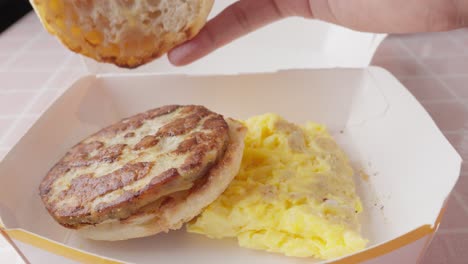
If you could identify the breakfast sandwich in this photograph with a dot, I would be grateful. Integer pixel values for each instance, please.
(127, 33)
(294, 194)
(146, 174)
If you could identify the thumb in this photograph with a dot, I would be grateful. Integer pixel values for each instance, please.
(235, 21)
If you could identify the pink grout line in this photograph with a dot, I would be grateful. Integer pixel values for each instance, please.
(15, 91)
(438, 100)
(35, 98)
(460, 201)
(17, 116)
(454, 41)
(436, 76)
(20, 51)
(458, 132)
(443, 75)
(452, 231)
(24, 70)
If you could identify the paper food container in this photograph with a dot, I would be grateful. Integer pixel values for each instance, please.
(387, 134)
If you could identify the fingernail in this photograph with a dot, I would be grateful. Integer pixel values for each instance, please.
(179, 55)
(174, 57)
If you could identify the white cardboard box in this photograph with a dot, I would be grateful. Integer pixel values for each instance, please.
(387, 134)
(412, 167)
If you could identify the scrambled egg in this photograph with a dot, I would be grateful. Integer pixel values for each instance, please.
(294, 194)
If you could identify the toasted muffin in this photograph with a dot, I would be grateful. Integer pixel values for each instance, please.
(146, 174)
(128, 33)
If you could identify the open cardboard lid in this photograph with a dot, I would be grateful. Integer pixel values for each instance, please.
(293, 43)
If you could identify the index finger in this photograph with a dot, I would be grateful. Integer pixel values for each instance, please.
(235, 21)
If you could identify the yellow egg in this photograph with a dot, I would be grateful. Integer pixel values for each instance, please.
(294, 194)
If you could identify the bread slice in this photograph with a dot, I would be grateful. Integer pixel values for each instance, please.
(184, 206)
(127, 33)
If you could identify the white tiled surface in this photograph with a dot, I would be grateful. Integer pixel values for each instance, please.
(29, 82)
(433, 66)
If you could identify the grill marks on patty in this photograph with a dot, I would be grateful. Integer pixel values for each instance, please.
(78, 157)
(105, 155)
(181, 126)
(166, 177)
(86, 187)
(135, 122)
(201, 137)
(146, 142)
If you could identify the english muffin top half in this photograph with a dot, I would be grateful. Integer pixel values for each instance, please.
(127, 33)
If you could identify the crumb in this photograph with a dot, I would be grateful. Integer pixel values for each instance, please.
(324, 199)
(341, 131)
(381, 207)
(364, 175)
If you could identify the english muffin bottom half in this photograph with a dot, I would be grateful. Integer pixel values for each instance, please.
(146, 174)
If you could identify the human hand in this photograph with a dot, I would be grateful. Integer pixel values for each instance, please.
(388, 16)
